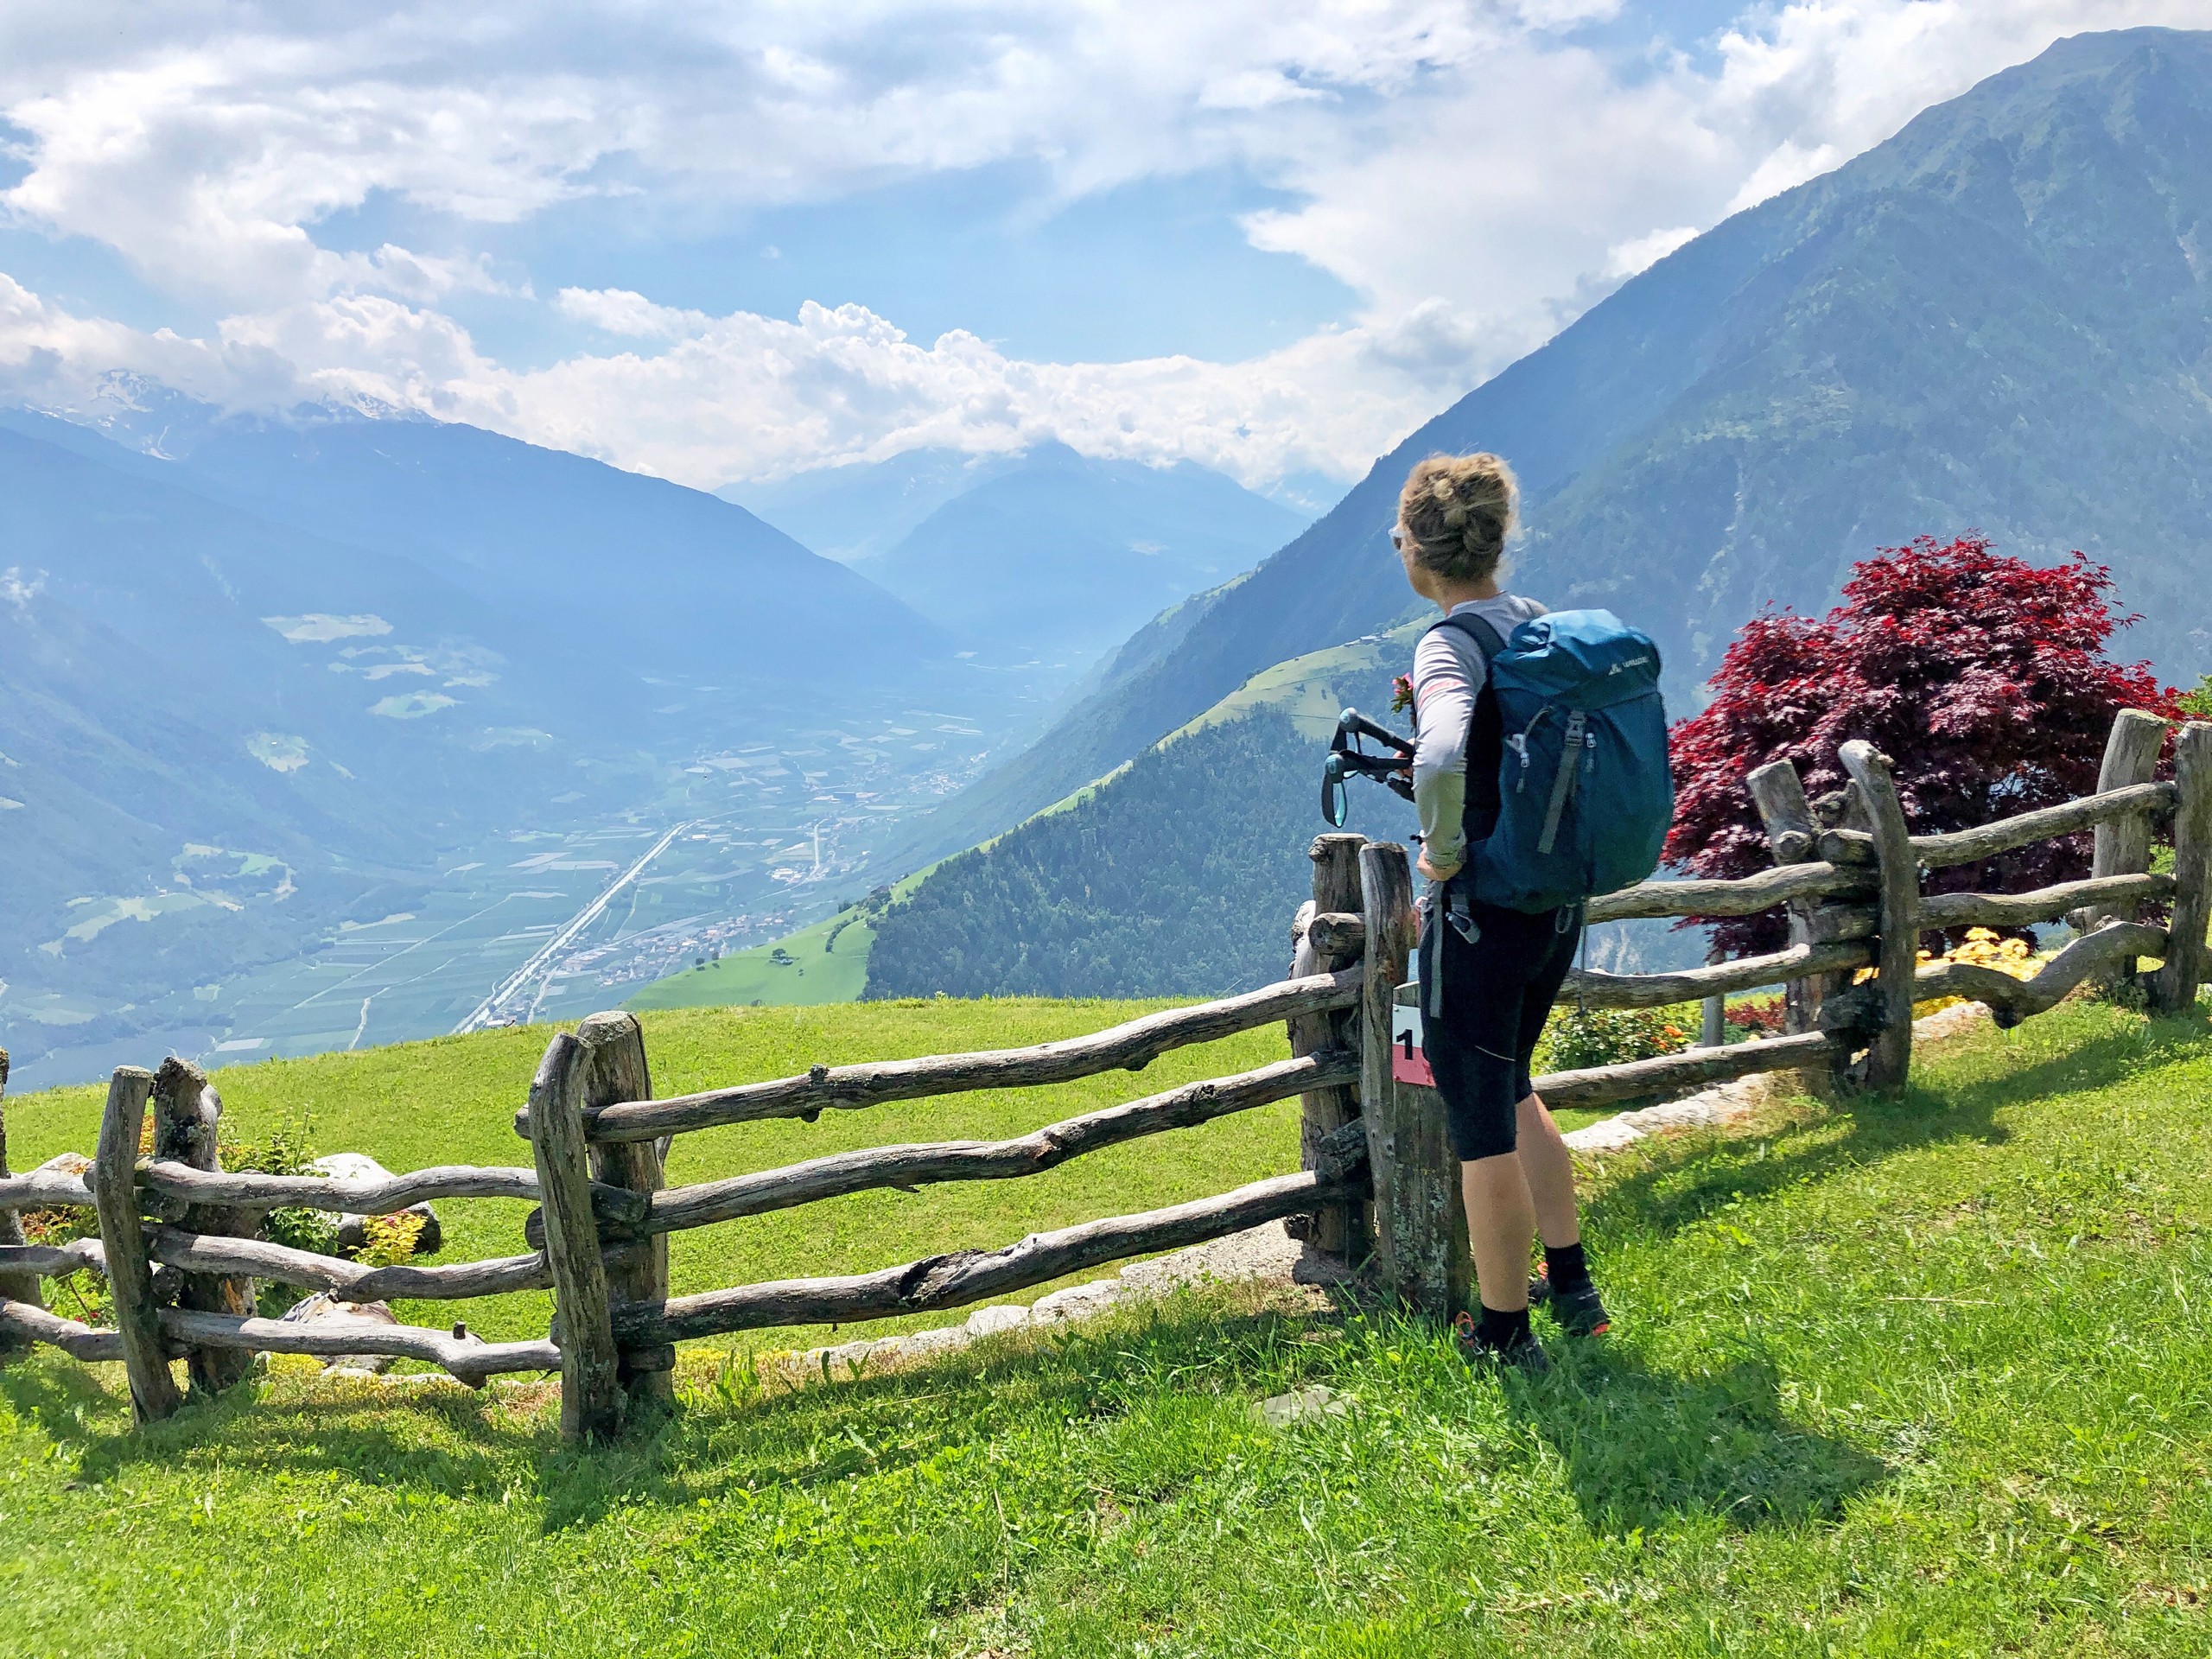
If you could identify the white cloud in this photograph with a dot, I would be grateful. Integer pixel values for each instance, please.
(620, 311)
(1637, 254)
(18, 590)
(1475, 172)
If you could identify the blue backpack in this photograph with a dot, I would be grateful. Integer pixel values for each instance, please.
(1584, 795)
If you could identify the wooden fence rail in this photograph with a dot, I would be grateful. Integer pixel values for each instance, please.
(1378, 1177)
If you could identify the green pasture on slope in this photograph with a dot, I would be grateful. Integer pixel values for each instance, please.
(1920, 1377)
(824, 963)
(814, 970)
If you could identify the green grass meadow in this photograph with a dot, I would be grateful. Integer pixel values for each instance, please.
(452, 1100)
(818, 970)
(1923, 1376)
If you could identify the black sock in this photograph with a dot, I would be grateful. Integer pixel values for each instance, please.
(1502, 1329)
(1565, 1268)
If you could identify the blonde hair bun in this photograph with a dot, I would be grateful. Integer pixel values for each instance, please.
(1457, 512)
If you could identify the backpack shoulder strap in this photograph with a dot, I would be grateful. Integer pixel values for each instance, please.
(1488, 640)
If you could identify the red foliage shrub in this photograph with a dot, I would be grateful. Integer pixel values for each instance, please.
(1763, 1017)
(1982, 676)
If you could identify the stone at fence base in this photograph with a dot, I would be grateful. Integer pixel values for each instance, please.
(323, 1306)
(1266, 1252)
(997, 1319)
(1077, 1301)
(66, 1163)
(353, 1231)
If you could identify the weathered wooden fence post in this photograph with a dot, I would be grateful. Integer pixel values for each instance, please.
(1890, 1060)
(1420, 1222)
(1794, 838)
(187, 1114)
(1342, 1229)
(2174, 989)
(591, 1394)
(14, 1286)
(1713, 1026)
(616, 1045)
(2122, 845)
(129, 1276)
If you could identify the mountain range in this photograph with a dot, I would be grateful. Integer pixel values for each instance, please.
(1047, 553)
(263, 681)
(2000, 319)
(259, 680)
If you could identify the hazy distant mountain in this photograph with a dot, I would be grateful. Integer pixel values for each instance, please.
(257, 675)
(2000, 319)
(867, 507)
(204, 716)
(647, 572)
(1065, 552)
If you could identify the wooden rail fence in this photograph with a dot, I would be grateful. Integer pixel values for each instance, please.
(1377, 1177)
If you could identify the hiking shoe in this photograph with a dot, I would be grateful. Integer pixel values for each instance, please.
(1528, 1355)
(1580, 1312)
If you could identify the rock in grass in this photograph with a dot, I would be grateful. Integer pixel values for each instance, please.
(1079, 1301)
(1305, 1405)
(999, 1317)
(353, 1234)
(324, 1306)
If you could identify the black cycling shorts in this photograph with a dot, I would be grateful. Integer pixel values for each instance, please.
(1497, 990)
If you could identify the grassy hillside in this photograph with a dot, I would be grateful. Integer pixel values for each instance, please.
(827, 963)
(1925, 1376)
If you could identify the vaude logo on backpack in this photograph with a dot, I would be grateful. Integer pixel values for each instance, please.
(1584, 793)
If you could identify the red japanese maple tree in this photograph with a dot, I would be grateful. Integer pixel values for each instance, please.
(1984, 677)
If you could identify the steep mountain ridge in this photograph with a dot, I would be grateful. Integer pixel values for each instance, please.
(1997, 318)
(651, 572)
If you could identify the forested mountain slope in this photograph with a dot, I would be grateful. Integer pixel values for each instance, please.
(2000, 318)
(1180, 873)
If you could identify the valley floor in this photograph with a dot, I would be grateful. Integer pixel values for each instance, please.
(1924, 1376)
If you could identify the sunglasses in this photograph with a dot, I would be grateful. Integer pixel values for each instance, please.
(1397, 538)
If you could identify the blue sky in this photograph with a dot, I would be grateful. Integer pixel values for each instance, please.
(725, 242)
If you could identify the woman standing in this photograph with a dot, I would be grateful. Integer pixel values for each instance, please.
(1497, 969)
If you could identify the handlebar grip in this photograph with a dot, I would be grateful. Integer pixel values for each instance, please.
(1352, 721)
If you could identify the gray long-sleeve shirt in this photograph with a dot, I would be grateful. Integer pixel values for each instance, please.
(1448, 675)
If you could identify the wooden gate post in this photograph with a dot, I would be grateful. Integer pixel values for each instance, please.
(591, 1396)
(187, 1113)
(14, 1286)
(2123, 844)
(1794, 838)
(1890, 1060)
(616, 1045)
(2174, 989)
(1340, 1231)
(1420, 1223)
(129, 1276)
